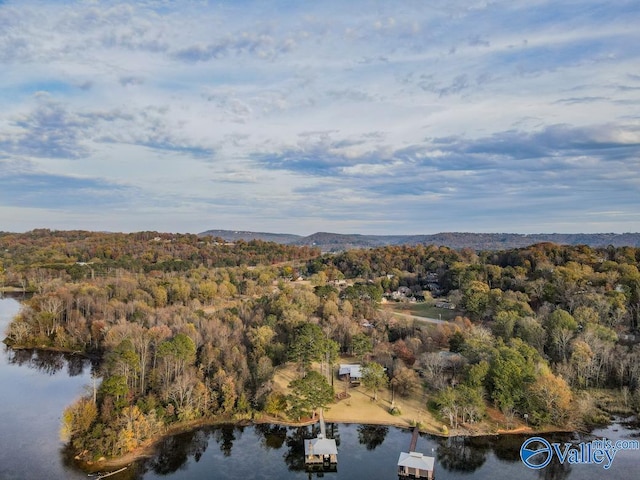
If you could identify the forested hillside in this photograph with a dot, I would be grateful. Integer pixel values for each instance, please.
(193, 329)
(336, 242)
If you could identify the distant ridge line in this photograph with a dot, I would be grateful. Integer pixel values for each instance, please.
(331, 242)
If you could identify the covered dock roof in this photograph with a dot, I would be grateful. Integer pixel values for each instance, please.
(416, 460)
(320, 446)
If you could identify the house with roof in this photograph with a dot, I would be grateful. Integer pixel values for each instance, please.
(352, 371)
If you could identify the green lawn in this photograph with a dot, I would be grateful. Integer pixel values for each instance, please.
(424, 309)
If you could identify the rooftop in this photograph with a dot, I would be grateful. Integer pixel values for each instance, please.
(353, 369)
(320, 446)
(416, 460)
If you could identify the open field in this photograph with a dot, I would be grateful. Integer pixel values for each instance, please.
(422, 309)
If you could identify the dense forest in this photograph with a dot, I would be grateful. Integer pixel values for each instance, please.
(191, 329)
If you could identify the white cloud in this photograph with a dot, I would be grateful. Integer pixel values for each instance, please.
(191, 105)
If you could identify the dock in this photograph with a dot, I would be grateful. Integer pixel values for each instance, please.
(415, 465)
(321, 453)
(414, 439)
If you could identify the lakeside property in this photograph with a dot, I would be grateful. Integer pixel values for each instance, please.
(192, 330)
(411, 411)
(359, 408)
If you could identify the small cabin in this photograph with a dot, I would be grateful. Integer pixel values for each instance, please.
(415, 465)
(321, 452)
(352, 371)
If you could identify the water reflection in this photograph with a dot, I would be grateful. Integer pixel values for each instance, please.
(457, 454)
(274, 436)
(507, 448)
(555, 471)
(279, 450)
(463, 454)
(47, 362)
(225, 436)
(372, 436)
(294, 457)
(173, 452)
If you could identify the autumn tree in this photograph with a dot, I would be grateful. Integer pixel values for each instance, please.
(550, 400)
(78, 417)
(405, 381)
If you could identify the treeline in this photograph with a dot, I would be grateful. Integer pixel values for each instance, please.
(547, 323)
(26, 257)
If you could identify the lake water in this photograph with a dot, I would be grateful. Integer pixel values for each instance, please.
(35, 388)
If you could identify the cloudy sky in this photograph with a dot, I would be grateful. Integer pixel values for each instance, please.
(414, 116)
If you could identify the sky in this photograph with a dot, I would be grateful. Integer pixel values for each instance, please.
(376, 117)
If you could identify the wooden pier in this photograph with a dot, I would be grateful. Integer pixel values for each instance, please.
(414, 439)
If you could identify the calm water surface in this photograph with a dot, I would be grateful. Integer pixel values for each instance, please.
(35, 388)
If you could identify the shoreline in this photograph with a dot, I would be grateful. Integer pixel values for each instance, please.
(331, 415)
(147, 450)
(65, 351)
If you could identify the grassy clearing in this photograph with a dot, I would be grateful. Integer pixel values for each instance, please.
(361, 408)
(423, 309)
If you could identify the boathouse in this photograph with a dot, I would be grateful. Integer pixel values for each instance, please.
(414, 464)
(321, 453)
